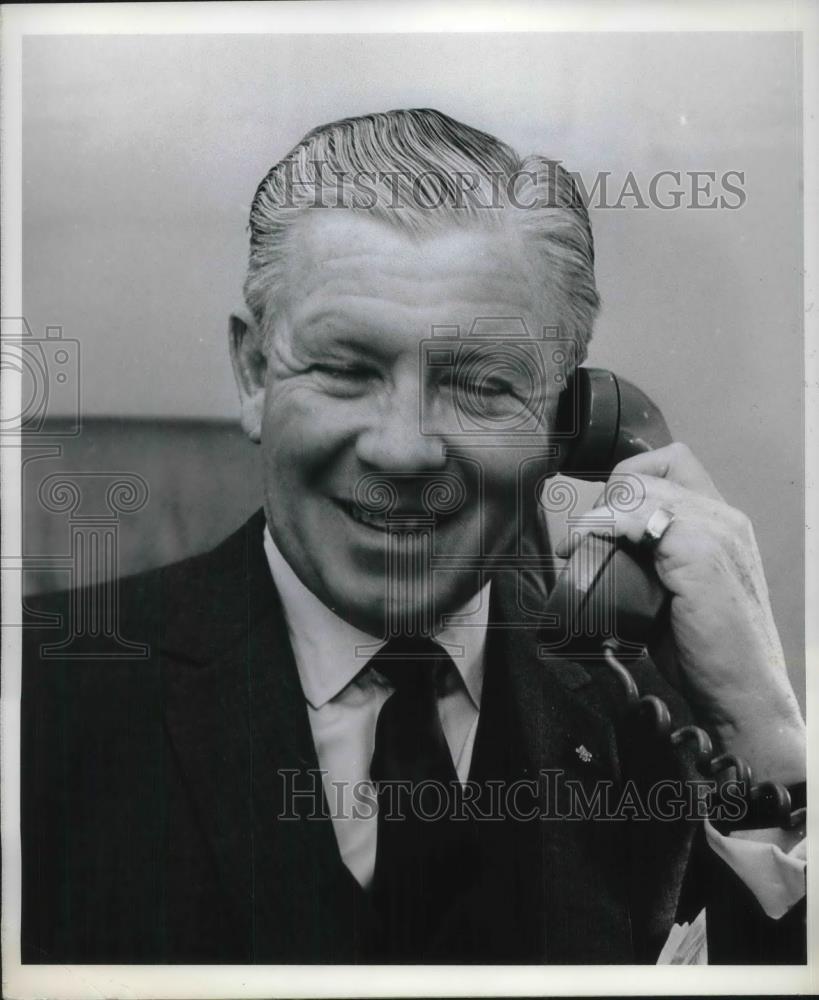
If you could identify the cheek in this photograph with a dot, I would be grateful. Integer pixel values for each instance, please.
(496, 498)
(512, 482)
(501, 471)
(301, 432)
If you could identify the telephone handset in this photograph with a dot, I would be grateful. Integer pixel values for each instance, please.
(607, 588)
(608, 600)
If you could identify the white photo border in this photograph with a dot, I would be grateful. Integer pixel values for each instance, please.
(354, 16)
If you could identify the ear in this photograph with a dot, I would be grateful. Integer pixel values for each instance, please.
(249, 369)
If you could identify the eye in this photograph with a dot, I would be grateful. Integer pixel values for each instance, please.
(344, 377)
(485, 388)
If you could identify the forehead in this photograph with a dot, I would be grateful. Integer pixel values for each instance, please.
(343, 262)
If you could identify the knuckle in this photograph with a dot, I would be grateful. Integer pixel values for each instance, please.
(677, 451)
(622, 468)
(740, 523)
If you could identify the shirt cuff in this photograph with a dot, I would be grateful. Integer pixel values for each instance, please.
(776, 878)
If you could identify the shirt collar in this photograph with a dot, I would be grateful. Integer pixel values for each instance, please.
(330, 652)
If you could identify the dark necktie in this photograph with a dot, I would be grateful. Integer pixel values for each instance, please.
(425, 854)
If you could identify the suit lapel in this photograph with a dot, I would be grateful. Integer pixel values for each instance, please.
(239, 730)
(584, 902)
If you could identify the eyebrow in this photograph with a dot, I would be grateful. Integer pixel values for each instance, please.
(346, 332)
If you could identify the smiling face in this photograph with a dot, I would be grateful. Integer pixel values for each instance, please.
(351, 388)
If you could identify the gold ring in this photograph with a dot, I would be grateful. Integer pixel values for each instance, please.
(658, 525)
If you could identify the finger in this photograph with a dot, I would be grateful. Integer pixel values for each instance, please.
(604, 522)
(675, 463)
(630, 499)
(629, 491)
(626, 506)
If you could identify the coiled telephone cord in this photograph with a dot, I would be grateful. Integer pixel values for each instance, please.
(767, 805)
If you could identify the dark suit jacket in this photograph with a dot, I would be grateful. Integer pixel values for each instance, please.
(153, 790)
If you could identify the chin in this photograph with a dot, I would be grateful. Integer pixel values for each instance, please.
(363, 598)
(374, 618)
(356, 600)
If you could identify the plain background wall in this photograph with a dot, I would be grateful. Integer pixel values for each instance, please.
(142, 153)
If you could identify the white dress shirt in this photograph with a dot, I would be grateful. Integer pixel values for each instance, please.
(343, 705)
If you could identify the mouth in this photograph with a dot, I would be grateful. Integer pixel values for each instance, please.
(379, 521)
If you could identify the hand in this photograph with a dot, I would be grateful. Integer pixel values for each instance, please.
(725, 646)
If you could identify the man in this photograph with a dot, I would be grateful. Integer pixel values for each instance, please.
(376, 628)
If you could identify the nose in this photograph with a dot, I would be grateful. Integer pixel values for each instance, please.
(394, 441)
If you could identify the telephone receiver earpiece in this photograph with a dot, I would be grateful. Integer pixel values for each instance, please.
(603, 419)
(608, 589)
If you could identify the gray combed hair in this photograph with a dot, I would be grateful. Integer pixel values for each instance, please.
(421, 170)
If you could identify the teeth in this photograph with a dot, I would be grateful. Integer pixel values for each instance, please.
(365, 517)
(372, 519)
(378, 521)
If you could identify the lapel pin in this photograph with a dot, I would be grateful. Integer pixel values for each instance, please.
(583, 753)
